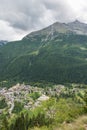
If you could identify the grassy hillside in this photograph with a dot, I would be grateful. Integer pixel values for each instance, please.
(62, 59)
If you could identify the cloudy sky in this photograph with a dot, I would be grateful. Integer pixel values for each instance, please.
(20, 17)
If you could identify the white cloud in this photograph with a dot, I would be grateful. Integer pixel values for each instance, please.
(8, 33)
(18, 17)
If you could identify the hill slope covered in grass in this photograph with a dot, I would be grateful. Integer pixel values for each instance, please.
(56, 54)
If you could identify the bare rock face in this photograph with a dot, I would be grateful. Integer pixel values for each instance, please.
(75, 27)
(78, 27)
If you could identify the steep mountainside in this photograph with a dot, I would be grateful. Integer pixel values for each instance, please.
(3, 42)
(57, 53)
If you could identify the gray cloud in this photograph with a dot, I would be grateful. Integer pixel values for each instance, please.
(22, 16)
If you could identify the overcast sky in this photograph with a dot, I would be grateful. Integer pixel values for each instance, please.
(20, 17)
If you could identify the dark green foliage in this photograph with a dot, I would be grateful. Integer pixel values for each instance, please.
(85, 100)
(35, 95)
(8, 83)
(55, 61)
(18, 106)
(3, 103)
(24, 121)
(5, 124)
(55, 111)
(51, 112)
(19, 123)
